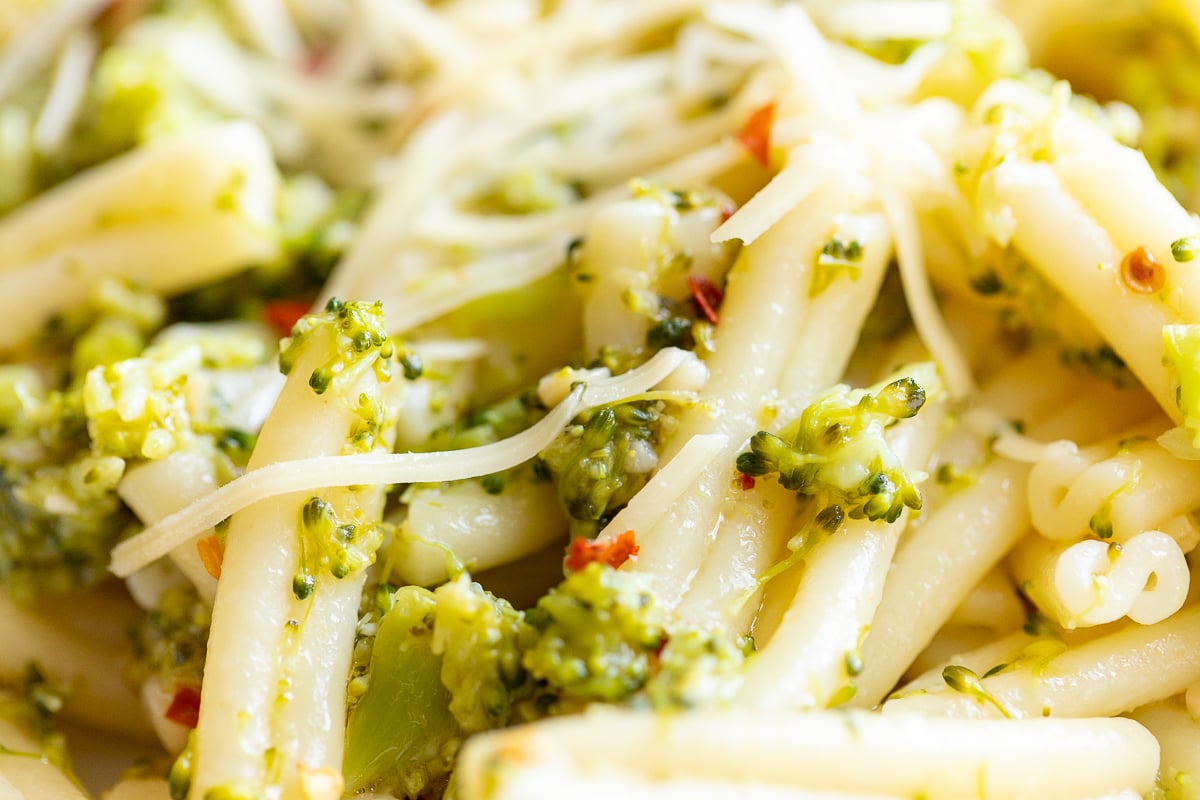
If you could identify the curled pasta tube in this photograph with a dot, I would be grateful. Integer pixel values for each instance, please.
(1117, 495)
(1093, 582)
(1067, 489)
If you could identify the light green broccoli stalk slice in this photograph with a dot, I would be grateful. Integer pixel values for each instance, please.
(836, 452)
(401, 736)
(602, 460)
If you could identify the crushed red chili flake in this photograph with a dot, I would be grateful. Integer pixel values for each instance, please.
(745, 482)
(755, 135)
(282, 315)
(1142, 272)
(316, 59)
(707, 297)
(185, 707)
(614, 552)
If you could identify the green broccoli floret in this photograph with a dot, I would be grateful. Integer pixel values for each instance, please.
(171, 641)
(836, 452)
(474, 663)
(602, 460)
(362, 343)
(480, 638)
(600, 632)
(138, 407)
(63, 452)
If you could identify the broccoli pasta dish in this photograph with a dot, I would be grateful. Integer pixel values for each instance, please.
(522, 399)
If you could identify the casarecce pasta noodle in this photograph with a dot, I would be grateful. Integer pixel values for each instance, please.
(512, 399)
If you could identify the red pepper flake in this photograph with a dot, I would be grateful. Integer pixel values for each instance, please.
(282, 315)
(614, 552)
(745, 482)
(755, 135)
(1142, 272)
(316, 59)
(185, 707)
(706, 296)
(211, 555)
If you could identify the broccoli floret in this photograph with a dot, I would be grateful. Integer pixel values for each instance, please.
(474, 663)
(171, 640)
(602, 460)
(480, 638)
(362, 343)
(64, 452)
(137, 408)
(836, 452)
(600, 632)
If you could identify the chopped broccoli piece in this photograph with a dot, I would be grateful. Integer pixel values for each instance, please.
(836, 451)
(31, 706)
(137, 407)
(401, 736)
(600, 633)
(362, 342)
(480, 638)
(171, 640)
(458, 660)
(134, 95)
(603, 459)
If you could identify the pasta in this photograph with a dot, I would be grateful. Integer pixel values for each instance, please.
(508, 399)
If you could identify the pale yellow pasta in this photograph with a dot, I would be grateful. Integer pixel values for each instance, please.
(1178, 733)
(1100, 677)
(935, 758)
(935, 569)
(812, 656)
(1091, 582)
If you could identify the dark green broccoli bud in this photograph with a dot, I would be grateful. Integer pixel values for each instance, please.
(836, 452)
(332, 545)
(602, 460)
(171, 641)
(362, 343)
(1185, 249)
